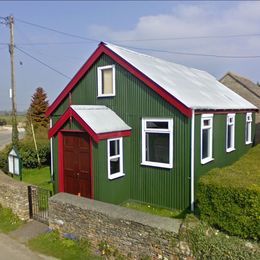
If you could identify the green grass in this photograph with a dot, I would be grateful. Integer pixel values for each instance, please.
(151, 209)
(20, 118)
(38, 176)
(65, 249)
(8, 221)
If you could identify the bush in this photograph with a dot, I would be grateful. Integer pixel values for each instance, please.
(206, 242)
(229, 198)
(28, 154)
(2, 122)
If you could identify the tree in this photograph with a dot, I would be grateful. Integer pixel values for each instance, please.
(37, 109)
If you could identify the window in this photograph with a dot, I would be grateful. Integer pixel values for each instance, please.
(230, 133)
(206, 138)
(157, 142)
(115, 158)
(248, 128)
(106, 81)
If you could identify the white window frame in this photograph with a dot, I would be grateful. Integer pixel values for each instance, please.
(99, 72)
(210, 128)
(156, 130)
(112, 176)
(248, 128)
(231, 121)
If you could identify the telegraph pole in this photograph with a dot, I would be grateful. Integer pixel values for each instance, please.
(10, 21)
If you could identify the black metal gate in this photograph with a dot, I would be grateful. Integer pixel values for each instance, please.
(38, 203)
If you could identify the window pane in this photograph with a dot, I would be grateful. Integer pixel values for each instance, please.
(247, 132)
(114, 147)
(206, 122)
(114, 165)
(157, 147)
(205, 143)
(154, 124)
(107, 81)
(229, 136)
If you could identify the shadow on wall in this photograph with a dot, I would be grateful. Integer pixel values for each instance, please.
(257, 133)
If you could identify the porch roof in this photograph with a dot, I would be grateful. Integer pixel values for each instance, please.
(99, 121)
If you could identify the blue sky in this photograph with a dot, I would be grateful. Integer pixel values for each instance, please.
(123, 23)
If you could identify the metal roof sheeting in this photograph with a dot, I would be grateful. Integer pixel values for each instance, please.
(101, 119)
(196, 89)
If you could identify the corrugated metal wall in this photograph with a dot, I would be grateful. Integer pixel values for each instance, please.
(133, 100)
(221, 157)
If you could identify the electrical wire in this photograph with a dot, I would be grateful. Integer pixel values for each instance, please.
(43, 63)
(57, 31)
(196, 54)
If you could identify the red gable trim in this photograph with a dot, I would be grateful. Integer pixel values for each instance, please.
(130, 68)
(96, 137)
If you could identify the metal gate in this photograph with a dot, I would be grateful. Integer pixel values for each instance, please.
(38, 203)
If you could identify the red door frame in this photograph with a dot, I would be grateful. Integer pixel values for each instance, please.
(61, 162)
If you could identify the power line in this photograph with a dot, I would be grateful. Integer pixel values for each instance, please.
(196, 54)
(43, 63)
(57, 31)
(193, 37)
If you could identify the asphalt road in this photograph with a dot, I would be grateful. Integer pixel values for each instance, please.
(6, 136)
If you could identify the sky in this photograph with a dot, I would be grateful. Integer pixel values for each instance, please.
(158, 28)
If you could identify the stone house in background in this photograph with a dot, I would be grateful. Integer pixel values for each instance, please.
(246, 89)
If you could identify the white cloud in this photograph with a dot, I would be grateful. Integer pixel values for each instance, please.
(191, 19)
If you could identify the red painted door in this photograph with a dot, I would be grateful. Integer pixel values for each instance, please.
(77, 179)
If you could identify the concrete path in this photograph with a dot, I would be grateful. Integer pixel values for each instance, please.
(6, 135)
(11, 249)
(13, 245)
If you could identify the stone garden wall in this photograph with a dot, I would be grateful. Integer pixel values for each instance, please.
(132, 233)
(14, 195)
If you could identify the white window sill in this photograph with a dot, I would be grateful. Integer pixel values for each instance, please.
(229, 150)
(206, 160)
(249, 142)
(116, 175)
(107, 95)
(159, 165)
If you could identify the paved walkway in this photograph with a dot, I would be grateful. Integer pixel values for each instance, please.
(12, 246)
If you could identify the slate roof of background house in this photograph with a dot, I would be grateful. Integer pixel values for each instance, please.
(243, 86)
(101, 119)
(194, 88)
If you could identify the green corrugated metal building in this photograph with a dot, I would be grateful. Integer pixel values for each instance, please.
(129, 126)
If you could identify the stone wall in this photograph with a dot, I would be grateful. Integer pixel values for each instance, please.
(133, 233)
(14, 195)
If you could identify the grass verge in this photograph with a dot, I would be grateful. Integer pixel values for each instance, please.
(8, 220)
(63, 248)
(151, 209)
(38, 176)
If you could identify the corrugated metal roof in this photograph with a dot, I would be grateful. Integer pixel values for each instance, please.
(100, 118)
(194, 88)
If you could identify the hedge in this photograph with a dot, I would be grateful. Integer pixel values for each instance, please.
(28, 154)
(229, 198)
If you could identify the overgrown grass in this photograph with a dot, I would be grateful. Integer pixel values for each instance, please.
(38, 176)
(209, 243)
(151, 209)
(8, 220)
(65, 249)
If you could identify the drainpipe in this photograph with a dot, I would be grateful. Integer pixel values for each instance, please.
(192, 161)
(51, 144)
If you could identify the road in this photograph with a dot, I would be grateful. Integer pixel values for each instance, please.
(6, 136)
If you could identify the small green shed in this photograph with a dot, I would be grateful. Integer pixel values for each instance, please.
(132, 126)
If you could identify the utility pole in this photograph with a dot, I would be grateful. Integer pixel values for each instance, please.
(10, 21)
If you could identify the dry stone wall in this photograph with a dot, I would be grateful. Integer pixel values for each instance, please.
(14, 195)
(133, 233)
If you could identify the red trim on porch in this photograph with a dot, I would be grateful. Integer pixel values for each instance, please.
(222, 111)
(60, 163)
(97, 53)
(114, 134)
(96, 137)
(91, 168)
